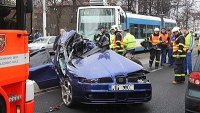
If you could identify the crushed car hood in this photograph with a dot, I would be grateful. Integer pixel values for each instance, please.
(106, 64)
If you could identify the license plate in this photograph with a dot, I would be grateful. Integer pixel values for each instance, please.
(122, 87)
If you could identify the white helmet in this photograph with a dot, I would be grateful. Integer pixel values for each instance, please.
(114, 27)
(156, 30)
(176, 29)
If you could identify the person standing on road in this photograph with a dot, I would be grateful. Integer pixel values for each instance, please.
(165, 40)
(55, 44)
(155, 51)
(102, 38)
(118, 41)
(179, 53)
(102, 32)
(37, 34)
(112, 37)
(189, 43)
(170, 48)
(129, 42)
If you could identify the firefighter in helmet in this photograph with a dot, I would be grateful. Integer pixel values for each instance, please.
(118, 41)
(155, 51)
(179, 54)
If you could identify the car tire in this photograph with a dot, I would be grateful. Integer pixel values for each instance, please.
(67, 93)
(2, 105)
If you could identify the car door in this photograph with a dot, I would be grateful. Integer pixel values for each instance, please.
(50, 43)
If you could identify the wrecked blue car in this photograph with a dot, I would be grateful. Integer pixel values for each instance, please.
(93, 74)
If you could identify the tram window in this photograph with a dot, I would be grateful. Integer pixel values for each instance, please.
(149, 30)
(167, 25)
(156, 26)
(142, 31)
(134, 30)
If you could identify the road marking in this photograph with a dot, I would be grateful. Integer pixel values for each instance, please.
(156, 70)
(44, 91)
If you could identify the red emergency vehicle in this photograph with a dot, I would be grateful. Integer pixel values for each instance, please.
(16, 91)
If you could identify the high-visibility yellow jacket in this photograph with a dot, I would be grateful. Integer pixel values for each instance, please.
(189, 41)
(179, 48)
(129, 42)
(112, 38)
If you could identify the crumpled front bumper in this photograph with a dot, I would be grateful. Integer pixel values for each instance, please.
(102, 94)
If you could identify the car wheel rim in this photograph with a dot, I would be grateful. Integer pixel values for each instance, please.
(67, 93)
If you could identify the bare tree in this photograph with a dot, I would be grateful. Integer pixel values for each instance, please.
(55, 9)
(187, 12)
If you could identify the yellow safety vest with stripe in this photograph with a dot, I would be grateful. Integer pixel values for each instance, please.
(188, 41)
(155, 41)
(129, 42)
(179, 48)
(120, 46)
(112, 38)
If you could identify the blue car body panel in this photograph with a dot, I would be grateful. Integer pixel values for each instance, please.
(44, 75)
(107, 64)
(101, 65)
(41, 69)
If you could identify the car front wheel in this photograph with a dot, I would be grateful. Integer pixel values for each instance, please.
(67, 93)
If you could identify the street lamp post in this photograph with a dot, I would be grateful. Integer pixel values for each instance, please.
(136, 7)
(162, 20)
(129, 5)
(44, 18)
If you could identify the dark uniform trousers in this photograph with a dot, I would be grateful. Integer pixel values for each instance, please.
(179, 55)
(179, 69)
(154, 53)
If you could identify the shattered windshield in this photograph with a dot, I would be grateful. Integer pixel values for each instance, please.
(77, 46)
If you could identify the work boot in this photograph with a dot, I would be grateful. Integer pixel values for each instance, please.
(156, 67)
(150, 65)
(175, 82)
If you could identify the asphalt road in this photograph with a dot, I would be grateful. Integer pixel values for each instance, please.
(166, 98)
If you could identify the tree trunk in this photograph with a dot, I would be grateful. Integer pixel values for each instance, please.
(74, 11)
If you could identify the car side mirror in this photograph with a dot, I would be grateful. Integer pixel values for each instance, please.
(29, 6)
